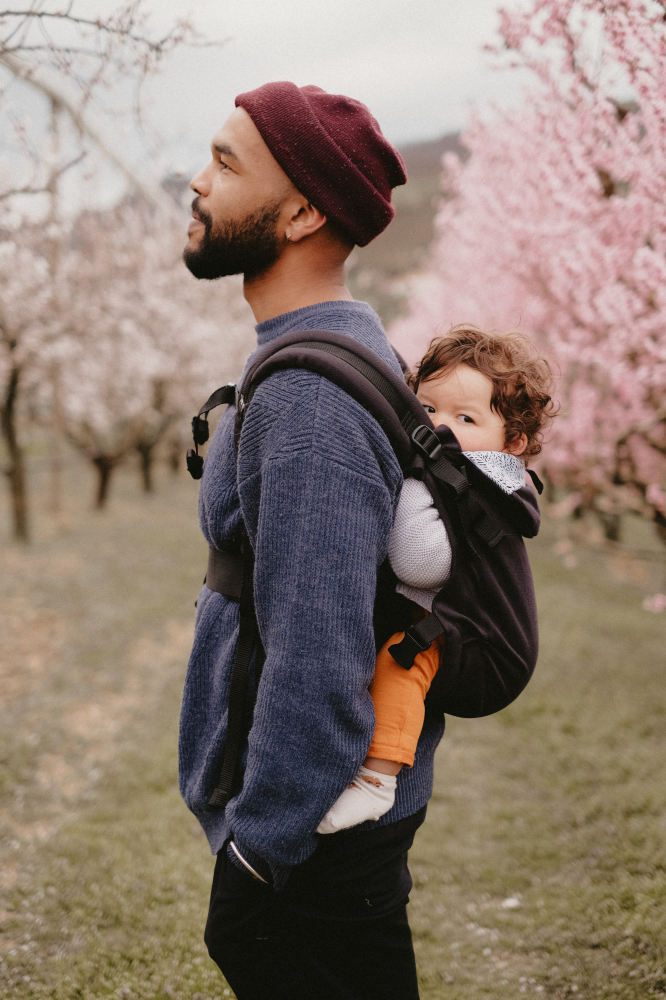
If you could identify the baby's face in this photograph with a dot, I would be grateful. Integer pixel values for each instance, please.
(461, 400)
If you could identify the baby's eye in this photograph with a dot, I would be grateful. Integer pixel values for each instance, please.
(464, 419)
(428, 408)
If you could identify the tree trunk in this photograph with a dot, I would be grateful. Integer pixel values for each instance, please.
(612, 525)
(105, 466)
(174, 455)
(146, 465)
(57, 439)
(548, 488)
(16, 469)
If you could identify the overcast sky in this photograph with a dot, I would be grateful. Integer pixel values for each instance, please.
(418, 65)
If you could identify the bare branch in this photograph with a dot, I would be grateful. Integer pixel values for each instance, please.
(28, 189)
(37, 79)
(119, 28)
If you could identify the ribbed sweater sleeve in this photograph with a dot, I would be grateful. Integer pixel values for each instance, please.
(319, 507)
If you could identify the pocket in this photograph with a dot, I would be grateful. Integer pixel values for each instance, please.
(343, 889)
(236, 877)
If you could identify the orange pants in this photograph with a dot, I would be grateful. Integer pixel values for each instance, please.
(398, 696)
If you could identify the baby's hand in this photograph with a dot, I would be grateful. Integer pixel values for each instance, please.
(369, 796)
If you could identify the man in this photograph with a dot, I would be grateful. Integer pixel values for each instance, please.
(297, 178)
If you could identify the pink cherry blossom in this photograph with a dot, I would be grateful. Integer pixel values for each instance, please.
(557, 226)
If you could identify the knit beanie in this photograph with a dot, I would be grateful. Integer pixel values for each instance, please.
(333, 151)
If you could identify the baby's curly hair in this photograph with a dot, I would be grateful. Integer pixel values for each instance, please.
(521, 377)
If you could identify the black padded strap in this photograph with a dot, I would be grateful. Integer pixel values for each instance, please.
(369, 371)
(225, 573)
(404, 367)
(416, 640)
(351, 366)
(248, 638)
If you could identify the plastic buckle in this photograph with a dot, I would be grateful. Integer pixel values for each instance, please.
(195, 464)
(405, 651)
(200, 430)
(427, 442)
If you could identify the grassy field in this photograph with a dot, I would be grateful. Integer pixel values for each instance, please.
(541, 868)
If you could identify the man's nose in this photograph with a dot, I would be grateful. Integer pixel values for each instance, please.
(198, 183)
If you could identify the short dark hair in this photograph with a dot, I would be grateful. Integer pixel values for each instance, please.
(522, 378)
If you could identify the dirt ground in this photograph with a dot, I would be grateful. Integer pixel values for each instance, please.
(541, 867)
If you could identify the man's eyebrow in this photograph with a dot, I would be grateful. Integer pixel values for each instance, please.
(224, 150)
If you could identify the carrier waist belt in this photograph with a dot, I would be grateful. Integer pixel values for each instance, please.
(225, 573)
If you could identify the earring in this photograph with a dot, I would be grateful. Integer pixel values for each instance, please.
(287, 237)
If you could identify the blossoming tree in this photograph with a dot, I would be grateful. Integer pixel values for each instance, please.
(25, 331)
(73, 60)
(557, 226)
(145, 341)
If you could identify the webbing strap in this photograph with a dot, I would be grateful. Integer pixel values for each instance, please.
(225, 394)
(472, 515)
(248, 638)
(538, 485)
(489, 531)
(443, 470)
(200, 431)
(416, 640)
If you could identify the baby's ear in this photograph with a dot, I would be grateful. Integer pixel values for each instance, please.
(516, 447)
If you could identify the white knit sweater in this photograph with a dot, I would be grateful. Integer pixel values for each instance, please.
(419, 547)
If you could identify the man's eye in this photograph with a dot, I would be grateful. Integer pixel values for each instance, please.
(464, 419)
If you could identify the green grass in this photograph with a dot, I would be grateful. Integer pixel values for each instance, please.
(557, 804)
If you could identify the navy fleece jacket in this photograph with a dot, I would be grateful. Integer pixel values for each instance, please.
(317, 483)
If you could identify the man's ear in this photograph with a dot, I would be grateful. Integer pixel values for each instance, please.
(305, 221)
(516, 447)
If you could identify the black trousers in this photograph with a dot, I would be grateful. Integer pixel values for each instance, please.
(338, 931)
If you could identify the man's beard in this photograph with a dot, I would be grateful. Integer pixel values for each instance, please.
(248, 246)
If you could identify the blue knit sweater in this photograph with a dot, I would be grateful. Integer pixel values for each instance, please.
(318, 484)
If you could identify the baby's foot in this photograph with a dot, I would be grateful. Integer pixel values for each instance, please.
(369, 796)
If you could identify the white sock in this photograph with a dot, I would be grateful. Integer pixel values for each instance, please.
(369, 796)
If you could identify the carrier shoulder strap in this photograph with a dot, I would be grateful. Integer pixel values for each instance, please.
(352, 367)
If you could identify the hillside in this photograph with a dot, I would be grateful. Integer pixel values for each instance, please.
(375, 270)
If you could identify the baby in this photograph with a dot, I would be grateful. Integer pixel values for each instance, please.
(493, 392)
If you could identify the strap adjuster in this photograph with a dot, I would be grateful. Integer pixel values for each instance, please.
(416, 640)
(427, 442)
(406, 651)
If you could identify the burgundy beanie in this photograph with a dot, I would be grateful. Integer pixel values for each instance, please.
(333, 150)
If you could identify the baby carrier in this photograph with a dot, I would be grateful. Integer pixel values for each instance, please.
(485, 611)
